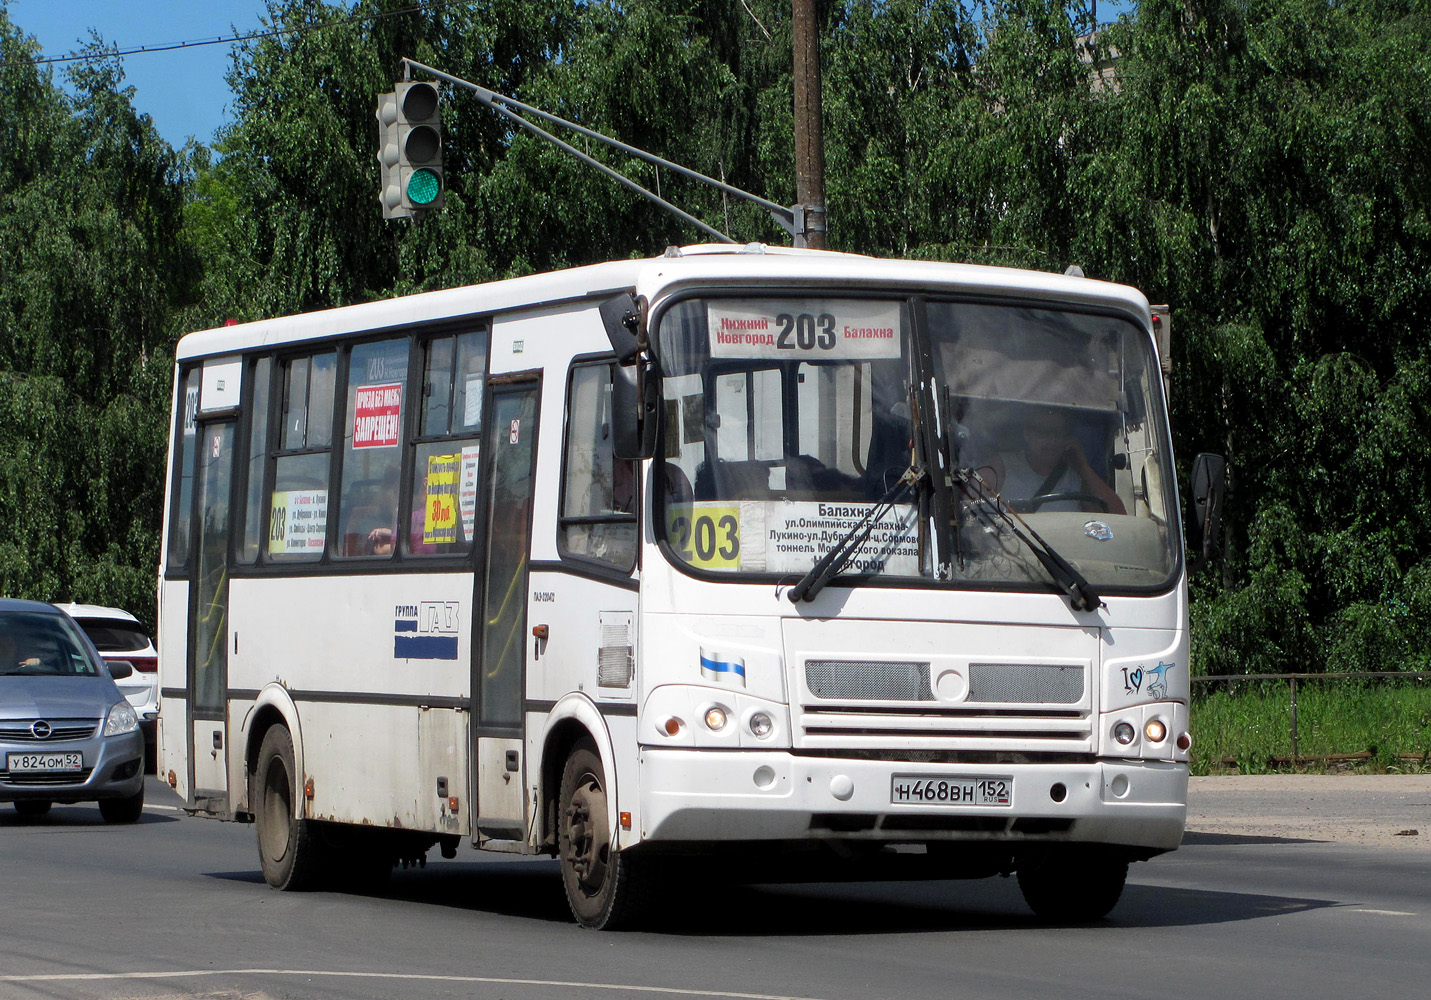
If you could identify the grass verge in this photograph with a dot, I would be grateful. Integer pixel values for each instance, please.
(1341, 725)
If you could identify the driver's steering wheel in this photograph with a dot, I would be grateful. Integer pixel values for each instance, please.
(1034, 503)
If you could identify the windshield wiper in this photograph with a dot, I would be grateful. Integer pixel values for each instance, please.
(988, 506)
(831, 563)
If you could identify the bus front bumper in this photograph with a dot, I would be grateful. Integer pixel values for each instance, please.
(720, 797)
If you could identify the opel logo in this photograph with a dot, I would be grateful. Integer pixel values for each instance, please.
(41, 730)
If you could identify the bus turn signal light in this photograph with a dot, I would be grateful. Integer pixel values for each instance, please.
(671, 727)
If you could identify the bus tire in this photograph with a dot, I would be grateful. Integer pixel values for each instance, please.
(1073, 887)
(605, 887)
(287, 849)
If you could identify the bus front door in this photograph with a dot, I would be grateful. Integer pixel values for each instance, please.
(208, 620)
(499, 663)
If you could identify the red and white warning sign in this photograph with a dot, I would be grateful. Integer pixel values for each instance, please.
(377, 415)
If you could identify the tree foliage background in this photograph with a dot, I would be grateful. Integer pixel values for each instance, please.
(1264, 166)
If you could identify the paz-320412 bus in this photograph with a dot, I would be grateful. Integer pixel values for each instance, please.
(784, 555)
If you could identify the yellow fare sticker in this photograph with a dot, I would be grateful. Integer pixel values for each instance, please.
(708, 537)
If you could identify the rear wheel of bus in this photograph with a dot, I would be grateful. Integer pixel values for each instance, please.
(605, 887)
(287, 850)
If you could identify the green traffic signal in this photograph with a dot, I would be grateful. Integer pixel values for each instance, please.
(423, 186)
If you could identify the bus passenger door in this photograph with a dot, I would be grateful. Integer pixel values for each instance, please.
(500, 645)
(208, 620)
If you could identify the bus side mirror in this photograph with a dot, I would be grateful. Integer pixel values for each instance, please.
(1209, 487)
(633, 390)
(621, 315)
(633, 411)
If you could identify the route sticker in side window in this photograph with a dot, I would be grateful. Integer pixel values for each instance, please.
(814, 329)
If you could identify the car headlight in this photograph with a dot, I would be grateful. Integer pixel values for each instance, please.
(121, 719)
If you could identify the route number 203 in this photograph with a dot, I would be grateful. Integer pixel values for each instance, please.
(708, 537)
(805, 332)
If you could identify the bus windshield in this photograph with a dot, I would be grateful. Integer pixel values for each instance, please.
(787, 419)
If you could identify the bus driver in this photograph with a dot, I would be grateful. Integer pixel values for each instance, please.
(1052, 462)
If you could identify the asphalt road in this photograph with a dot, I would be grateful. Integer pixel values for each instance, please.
(174, 907)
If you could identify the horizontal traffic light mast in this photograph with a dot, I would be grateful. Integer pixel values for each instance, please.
(794, 219)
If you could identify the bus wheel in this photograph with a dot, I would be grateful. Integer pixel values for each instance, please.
(604, 886)
(1073, 887)
(286, 847)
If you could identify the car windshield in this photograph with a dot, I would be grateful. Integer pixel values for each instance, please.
(38, 644)
(786, 419)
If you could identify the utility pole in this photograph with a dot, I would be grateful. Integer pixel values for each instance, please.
(809, 135)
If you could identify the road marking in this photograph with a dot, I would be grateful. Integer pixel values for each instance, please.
(163, 809)
(59, 977)
(1387, 913)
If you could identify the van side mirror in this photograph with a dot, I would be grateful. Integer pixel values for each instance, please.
(1209, 487)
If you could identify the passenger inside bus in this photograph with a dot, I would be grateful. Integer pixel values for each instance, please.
(1051, 463)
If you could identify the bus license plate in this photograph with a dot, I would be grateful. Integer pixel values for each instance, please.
(950, 791)
(45, 762)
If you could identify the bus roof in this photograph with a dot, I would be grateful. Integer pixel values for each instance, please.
(705, 264)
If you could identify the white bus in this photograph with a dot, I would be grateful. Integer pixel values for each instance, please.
(751, 553)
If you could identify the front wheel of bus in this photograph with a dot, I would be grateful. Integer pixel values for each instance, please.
(604, 886)
(286, 848)
(1073, 887)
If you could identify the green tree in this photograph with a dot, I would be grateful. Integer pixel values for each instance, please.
(90, 204)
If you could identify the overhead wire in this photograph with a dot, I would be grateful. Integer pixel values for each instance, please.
(111, 53)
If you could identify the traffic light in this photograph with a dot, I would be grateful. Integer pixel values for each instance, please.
(389, 154)
(410, 151)
(419, 125)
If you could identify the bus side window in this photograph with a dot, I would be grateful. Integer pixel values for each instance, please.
(183, 494)
(445, 481)
(253, 530)
(298, 505)
(373, 437)
(598, 503)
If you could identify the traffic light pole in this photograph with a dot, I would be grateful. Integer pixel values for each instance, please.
(794, 220)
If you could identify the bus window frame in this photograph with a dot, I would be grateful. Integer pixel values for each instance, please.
(421, 343)
(586, 565)
(180, 571)
(282, 361)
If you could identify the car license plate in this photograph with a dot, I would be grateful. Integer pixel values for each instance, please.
(45, 762)
(951, 791)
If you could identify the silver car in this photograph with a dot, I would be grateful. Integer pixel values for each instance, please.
(67, 734)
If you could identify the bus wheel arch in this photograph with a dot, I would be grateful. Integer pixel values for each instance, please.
(572, 720)
(272, 708)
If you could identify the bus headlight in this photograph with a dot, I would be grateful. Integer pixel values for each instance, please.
(715, 718)
(1124, 733)
(1155, 730)
(761, 724)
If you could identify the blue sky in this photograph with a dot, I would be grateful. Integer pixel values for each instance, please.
(182, 90)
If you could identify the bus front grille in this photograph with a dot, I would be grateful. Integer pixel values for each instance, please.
(848, 727)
